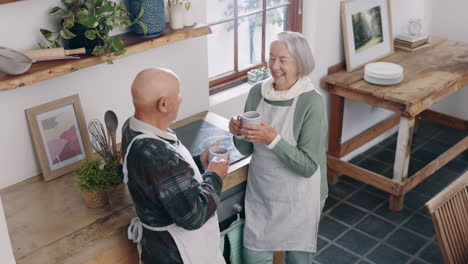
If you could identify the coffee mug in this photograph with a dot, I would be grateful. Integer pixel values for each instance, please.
(218, 151)
(251, 117)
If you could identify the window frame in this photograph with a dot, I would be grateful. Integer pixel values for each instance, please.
(228, 80)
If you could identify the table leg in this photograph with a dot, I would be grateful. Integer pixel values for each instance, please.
(334, 135)
(402, 158)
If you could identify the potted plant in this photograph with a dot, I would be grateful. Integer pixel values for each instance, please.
(177, 10)
(87, 23)
(94, 179)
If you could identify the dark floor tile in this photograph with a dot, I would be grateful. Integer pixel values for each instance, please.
(395, 217)
(436, 146)
(374, 165)
(424, 156)
(421, 225)
(432, 254)
(457, 166)
(365, 200)
(417, 261)
(415, 166)
(376, 191)
(334, 254)
(384, 155)
(418, 141)
(341, 189)
(363, 261)
(384, 254)
(329, 203)
(443, 176)
(375, 226)
(358, 158)
(450, 135)
(350, 180)
(406, 241)
(357, 242)
(414, 200)
(347, 214)
(389, 142)
(330, 228)
(428, 128)
(321, 243)
(429, 188)
(463, 156)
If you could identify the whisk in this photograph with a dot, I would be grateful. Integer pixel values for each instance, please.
(99, 140)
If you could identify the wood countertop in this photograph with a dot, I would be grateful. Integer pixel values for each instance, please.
(49, 223)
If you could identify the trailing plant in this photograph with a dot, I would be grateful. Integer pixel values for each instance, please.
(99, 18)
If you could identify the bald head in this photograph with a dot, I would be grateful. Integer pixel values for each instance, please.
(156, 96)
(152, 84)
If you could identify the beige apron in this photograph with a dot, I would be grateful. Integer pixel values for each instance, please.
(282, 208)
(195, 246)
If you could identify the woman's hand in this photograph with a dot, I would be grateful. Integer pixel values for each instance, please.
(204, 155)
(235, 125)
(259, 133)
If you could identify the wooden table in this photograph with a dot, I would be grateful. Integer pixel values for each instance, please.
(430, 75)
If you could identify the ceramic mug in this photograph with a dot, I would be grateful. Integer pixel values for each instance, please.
(218, 151)
(251, 117)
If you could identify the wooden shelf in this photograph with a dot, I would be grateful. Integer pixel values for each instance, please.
(133, 44)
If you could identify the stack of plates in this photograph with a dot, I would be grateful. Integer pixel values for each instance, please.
(383, 73)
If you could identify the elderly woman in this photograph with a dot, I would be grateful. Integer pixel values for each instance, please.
(286, 186)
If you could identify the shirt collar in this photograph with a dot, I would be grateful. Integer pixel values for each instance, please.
(140, 126)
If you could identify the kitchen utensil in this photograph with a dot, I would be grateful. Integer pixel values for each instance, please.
(13, 62)
(383, 70)
(251, 117)
(218, 151)
(52, 52)
(110, 118)
(383, 81)
(99, 140)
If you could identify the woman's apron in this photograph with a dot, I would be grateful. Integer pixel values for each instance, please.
(195, 246)
(282, 208)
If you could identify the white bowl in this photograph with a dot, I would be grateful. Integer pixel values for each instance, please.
(383, 70)
(383, 81)
(14, 62)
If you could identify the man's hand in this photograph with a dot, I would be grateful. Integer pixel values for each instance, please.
(204, 155)
(235, 125)
(258, 133)
(219, 166)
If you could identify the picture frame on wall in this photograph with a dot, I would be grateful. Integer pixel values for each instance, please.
(367, 31)
(59, 135)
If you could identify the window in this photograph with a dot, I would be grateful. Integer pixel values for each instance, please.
(242, 30)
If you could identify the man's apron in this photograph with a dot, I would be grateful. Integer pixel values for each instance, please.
(195, 246)
(282, 208)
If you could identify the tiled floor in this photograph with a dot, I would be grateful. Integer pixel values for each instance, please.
(358, 227)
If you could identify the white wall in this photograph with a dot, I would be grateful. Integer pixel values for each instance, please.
(100, 87)
(449, 19)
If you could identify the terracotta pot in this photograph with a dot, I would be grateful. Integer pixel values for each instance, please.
(94, 199)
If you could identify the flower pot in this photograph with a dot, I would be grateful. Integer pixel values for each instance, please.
(81, 41)
(153, 16)
(94, 199)
(176, 13)
(188, 17)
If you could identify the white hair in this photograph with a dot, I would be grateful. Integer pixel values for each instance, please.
(299, 47)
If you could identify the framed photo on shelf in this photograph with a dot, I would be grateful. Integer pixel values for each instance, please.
(60, 138)
(367, 31)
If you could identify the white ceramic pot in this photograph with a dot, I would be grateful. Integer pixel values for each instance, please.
(176, 13)
(188, 17)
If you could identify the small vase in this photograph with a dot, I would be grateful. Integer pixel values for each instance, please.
(188, 17)
(94, 199)
(153, 16)
(176, 13)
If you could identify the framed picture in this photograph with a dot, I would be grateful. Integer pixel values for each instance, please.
(367, 31)
(58, 131)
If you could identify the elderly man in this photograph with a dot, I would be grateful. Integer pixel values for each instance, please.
(175, 203)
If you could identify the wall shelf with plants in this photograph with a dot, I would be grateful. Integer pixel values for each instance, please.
(45, 70)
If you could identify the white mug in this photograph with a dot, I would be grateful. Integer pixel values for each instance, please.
(251, 117)
(218, 151)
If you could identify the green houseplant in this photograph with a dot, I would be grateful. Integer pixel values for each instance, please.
(94, 178)
(87, 23)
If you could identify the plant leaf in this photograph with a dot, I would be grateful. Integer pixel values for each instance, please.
(66, 34)
(98, 50)
(141, 13)
(68, 23)
(142, 26)
(46, 33)
(89, 21)
(188, 5)
(106, 10)
(55, 9)
(119, 52)
(90, 34)
(116, 45)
